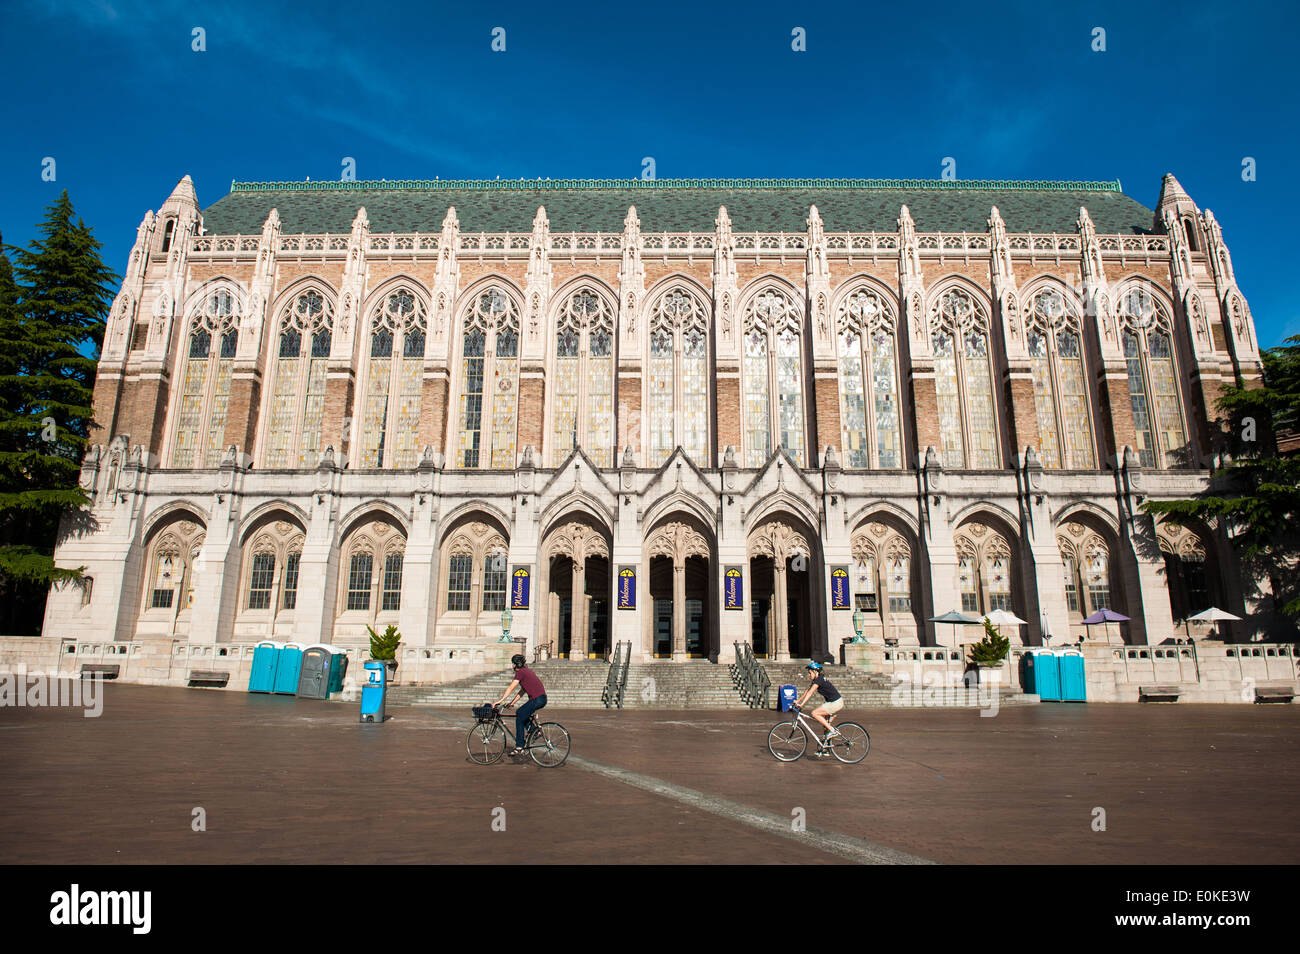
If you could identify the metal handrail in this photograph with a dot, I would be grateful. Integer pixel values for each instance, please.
(621, 685)
(751, 678)
(611, 678)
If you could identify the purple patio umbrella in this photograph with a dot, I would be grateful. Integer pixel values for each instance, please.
(1106, 616)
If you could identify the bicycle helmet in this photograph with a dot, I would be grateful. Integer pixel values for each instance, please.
(518, 661)
(815, 666)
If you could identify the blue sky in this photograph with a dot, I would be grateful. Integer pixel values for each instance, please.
(112, 90)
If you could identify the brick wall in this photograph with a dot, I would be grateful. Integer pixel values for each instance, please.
(827, 413)
(339, 385)
(1117, 410)
(1022, 416)
(629, 414)
(242, 412)
(927, 410)
(433, 409)
(532, 407)
(727, 420)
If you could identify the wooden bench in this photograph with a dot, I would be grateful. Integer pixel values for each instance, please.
(212, 678)
(1158, 693)
(1274, 693)
(101, 670)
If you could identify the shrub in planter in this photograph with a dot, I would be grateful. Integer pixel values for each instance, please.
(990, 650)
(383, 647)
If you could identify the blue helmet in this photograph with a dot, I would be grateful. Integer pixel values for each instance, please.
(815, 666)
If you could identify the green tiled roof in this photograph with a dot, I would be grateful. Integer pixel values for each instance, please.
(676, 205)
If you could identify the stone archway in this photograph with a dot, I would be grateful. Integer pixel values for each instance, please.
(578, 586)
(678, 591)
(782, 568)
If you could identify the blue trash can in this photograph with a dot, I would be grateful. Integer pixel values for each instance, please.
(286, 674)
(373, 691)
(266, 659)
(787, 697)
(1074, 687)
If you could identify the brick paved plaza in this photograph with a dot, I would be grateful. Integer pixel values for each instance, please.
(289, 780)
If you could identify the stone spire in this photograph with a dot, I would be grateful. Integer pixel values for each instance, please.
(538, 283)
(631, 282)
(726, 286)
(819, 284)
(446, 281)
(911, 283)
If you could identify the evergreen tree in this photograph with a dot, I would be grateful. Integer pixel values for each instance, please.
(1256, 490)
(52, 320)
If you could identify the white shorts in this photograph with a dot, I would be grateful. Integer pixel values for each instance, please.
(830, 708)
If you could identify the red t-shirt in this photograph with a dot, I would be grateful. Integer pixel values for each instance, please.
(529, 683)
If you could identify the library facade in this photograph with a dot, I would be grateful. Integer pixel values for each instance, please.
(684, 414)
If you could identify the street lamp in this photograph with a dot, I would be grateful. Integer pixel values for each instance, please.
(859, 618)
(506, 617)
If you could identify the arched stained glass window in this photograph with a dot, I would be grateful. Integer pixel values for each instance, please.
(205, 381)
(370, 577)
(678, 383)
(394, 373)
(984, 569)
(489, 399)
(293, 436)
(868, 382)
(1153, 380)
(963, 375)
(773, 378)
(582, 410)
(1086, 559)
(1060, 392)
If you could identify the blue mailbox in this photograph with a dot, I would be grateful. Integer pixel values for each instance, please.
(373, 691)
(1074, 687)
(286, 673)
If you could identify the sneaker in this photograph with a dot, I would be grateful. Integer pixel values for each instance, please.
(515, 752)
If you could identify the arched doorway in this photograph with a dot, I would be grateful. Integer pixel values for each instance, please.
(578, 591)
(988, 577)
(782, 567)
(680, 624)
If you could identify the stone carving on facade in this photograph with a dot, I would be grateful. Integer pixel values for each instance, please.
(577, 541)
(677, 541)
(779, 541)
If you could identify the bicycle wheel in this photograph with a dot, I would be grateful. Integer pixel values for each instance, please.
(550, 745)
(486, 742)
(852, 744)
(787, 741)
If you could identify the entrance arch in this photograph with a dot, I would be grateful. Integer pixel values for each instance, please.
(783, 567)
(679, 624)
(578, 586)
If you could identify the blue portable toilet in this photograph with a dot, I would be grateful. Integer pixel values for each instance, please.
(1047, 676)
(787, 697)
(266, 659)
(286, 676)
(1074, 687)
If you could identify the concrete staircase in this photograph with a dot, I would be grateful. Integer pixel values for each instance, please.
(576, 684)
(694, 684)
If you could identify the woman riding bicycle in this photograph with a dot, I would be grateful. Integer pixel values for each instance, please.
(832, 702)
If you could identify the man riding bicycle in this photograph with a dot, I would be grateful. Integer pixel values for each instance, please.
(832, 702)
(527, 683)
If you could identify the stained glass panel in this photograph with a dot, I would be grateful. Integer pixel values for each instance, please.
(885, 391)
(979, 395)
(945, 386)
(853, 407)
(757, 424)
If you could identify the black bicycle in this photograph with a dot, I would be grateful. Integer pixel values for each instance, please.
(547, 743)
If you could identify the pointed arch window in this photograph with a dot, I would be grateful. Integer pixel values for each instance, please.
(678, 383)
(868, 382)
(1055, 342)
(272, 557)
(173, 552)
(984, 570)
(205, 381)
(488, 413)
(370, 577)
(394, 372)
(773, 378)
(298, 389)
(583, 404)
(963, 376)
(882, 560)
(476, 559)
(1153, 380)
(1086, 559)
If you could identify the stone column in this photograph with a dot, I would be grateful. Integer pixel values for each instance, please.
(679, 609)
(578, 608)
(779, 599)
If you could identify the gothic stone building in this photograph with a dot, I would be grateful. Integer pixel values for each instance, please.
(684, 414)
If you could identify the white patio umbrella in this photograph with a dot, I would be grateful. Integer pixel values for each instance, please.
(1211, 615)
(1000, 617)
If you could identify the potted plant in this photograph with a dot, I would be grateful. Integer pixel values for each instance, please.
(989, 652)
(383, 648)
